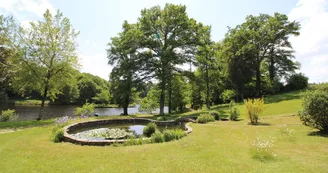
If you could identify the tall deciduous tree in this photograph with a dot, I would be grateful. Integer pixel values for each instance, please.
(129, 64)
(265, 37)
(167, 34)
(205, 58)
(5, 56)
(48, 55)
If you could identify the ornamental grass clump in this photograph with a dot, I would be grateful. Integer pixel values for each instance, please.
(254, 108)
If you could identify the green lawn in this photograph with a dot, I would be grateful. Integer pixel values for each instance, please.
(215, 147)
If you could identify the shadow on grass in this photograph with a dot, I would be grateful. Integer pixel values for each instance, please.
(319, 133)
(259, 124)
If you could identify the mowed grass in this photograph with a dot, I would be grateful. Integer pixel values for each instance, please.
(215, 147)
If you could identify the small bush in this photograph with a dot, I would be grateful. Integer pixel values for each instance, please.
(204, 118)
(296, 82)
(57, 133)
(8, 115)
(315, 110)
(149, 129)
(233, 111)
(215, 114)
(85, 110)
(254, 108)
(157, 137)
(170, 135)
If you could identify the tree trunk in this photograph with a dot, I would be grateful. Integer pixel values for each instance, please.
(162, 98)
(44, 96)
(258, 80)
(125, 110)
(271, 69)
(170, 96)
(126, 105)
(207, 89)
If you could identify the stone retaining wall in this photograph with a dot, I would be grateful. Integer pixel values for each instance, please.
(81, 125)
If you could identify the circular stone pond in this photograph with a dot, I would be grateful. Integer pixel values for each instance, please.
(106, 132)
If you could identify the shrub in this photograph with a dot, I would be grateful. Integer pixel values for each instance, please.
(254, 108)
(297, 81)
(215, 114)
(57, 133)
(170, 135)
(204, 118)
(315, 110)
(149, 129)
(228, 95)
(157, 137)
(262, 149)
(86, 109)
(233, 111)
(8, 115)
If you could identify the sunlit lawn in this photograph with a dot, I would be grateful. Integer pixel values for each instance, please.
(220, 146)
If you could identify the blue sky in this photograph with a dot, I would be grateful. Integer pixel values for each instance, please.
(99, 20)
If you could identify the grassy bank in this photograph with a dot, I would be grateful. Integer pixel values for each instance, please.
(220, 146)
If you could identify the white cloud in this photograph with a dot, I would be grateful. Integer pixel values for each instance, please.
(95, 64)
(37, 7)
(311, 46)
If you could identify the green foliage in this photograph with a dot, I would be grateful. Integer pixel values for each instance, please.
(297, 81)
(103, 97)
(157, 137)
(86, 110)
(228, 95)
(254, 108)
(315, 110)
(8, 115)
(320, 87)
(149, 129)
(150, 103)
(135, 141)
(57, 134)
(92, 89)
(233, 111)
(215, 114)
(180, 94)
(176, 134)
(205, 118)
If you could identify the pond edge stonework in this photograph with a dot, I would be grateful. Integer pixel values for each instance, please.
(80, 125)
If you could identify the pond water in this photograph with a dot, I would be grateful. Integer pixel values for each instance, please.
(53, 111)
(117, 131)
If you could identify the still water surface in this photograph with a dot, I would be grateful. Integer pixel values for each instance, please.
(53, 111)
